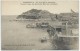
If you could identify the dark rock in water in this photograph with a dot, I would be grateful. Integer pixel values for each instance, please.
(42, 41)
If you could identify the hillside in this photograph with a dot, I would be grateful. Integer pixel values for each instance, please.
(35, 14)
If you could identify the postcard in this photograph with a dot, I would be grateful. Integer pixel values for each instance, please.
(40, 25)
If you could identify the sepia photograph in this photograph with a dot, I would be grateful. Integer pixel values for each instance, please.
(40, 25)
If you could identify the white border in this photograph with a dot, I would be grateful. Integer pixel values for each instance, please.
(0, 25)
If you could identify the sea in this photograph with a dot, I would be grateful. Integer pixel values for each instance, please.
(15, 35)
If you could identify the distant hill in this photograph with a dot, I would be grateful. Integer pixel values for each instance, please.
(36, 14)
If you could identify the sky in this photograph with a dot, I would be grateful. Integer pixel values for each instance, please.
(14, 7)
